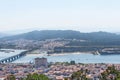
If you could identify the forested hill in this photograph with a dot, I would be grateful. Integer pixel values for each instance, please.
(65, 34)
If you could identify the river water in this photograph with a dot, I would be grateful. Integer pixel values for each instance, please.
(77, 57)
(66, 57)
(8, 53)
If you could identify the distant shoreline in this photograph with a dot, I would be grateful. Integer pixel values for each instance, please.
(60, 54)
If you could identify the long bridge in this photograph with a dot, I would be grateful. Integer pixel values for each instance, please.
(13, 58)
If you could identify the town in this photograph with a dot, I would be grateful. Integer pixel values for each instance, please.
(59, 39)
(54, 71)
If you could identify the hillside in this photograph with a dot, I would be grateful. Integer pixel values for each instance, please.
(65, 34)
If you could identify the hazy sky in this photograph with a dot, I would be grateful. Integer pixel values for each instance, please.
(82, 15)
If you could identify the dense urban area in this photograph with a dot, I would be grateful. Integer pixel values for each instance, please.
(42, 69)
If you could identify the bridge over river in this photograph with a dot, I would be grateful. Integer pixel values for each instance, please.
(13, 57)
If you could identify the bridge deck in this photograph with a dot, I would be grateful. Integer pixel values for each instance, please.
(13, 58)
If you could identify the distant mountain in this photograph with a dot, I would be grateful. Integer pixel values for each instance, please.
(45, 34)
(65, 34)
(118, 33)
(3, 35)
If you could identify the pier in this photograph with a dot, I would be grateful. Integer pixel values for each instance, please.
(13, 58)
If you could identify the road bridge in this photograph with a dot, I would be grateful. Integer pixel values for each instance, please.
(13, 58)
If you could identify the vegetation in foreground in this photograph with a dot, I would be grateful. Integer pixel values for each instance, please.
(34, 76)
(110, 74)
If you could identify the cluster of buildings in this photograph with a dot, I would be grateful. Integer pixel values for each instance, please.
(21, 44)
(47, 44)
(52, 44)
(55, 71)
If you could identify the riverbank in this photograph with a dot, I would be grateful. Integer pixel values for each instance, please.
(61, 54)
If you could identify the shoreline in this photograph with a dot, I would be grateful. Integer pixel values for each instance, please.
(61, 54)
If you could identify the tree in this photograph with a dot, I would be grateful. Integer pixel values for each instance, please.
(110, 74)
(79, 75)
(11, 77)
(36, 76)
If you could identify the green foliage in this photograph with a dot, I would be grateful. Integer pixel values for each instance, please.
(110, 74)
(11, 77)
(66, 79)
(34, 76)
(79, 75)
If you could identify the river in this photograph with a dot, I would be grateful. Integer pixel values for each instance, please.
(66, 57)
(5, 53)
(77, 57)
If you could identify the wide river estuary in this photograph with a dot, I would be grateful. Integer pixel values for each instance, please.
(66, 57)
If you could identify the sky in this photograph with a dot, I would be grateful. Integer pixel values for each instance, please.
(80, 15)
